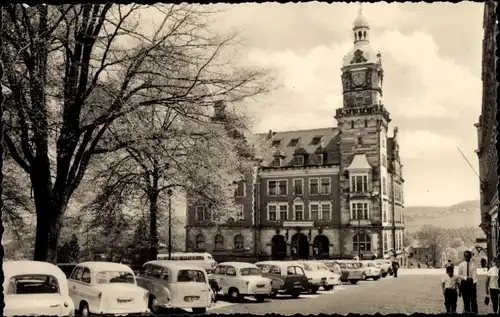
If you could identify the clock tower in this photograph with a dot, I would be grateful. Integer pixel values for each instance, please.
(362, 122)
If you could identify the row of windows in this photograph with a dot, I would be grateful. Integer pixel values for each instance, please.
(317, 211)
(317, 186)
(219, 242)
(299, 160)
(203, 214)
(387, 240)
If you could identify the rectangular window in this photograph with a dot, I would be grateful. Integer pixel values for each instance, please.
(384, 184)
(283, 212)
(384, 160)
(298, 212)
(283, 188)
(314, 211)
(200, 213)
(386, 242)
(319, 159)
(298, 187)
(298, 160)
(276, 143)
(326, 211)
(359, 183)
(359, 211)
(277, 161)
(240, 209)
(313, 186)
(240, 189)
(271, 212)
(325, 186)
(272, 188)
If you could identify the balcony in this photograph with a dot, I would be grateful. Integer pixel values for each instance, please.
(363, 194)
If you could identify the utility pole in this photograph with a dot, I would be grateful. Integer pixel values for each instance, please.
(169, 193)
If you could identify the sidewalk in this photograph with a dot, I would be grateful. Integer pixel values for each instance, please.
(440, 271)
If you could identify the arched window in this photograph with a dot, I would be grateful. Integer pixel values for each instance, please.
(364, 35)
(355, 36)
(362, 241)
(239, 242)
(359, 35)
(219, 242)
(200, 242)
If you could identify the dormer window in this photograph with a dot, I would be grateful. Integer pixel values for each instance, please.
(294, 142)
(276, 143)
(319, 159)
(298, 160)
(277, 161)
(316, 140)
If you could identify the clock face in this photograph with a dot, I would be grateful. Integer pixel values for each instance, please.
(358, 78)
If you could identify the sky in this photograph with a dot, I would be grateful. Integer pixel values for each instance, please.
(431, 55)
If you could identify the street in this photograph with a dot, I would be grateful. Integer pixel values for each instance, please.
(406, 294)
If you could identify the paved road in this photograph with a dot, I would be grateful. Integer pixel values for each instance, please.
(406, 294)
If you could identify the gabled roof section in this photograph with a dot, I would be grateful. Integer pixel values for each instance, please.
(329, 143)
(359, 162)
(279, 153)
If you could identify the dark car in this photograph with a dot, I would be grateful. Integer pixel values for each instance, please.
(287, 277)
(67, 268)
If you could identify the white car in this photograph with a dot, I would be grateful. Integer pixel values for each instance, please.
(371, 270)
(332, 278)
(174, 284)
(106, 288)
(316, 277)
(35, 288)
(239, 279)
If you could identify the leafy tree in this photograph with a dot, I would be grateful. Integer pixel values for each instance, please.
(74, 249)
(435, 239)
(80, 73)
(456, 243)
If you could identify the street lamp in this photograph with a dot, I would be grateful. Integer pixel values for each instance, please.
(169, 193)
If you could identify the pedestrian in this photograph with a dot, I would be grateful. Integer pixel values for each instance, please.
(395, 265)
(467, 272)
(492, 289)
(450, 285)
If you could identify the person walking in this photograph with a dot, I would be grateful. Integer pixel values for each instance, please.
(450, 285)
(492, 287)
(467, 272)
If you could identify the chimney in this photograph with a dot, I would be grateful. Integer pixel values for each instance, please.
(220, 110)
(270, 134)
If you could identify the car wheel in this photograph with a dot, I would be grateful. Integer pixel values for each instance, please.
(84, 309)
(363, 276)
(384, 274)
(260, 298)
(153, 305)
(391, 274)
(295, 294)
(314, 289)
(354, 281)
(375, 278)
(234, 294)
(199, 310)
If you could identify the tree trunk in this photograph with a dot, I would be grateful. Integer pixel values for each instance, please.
(153, 226)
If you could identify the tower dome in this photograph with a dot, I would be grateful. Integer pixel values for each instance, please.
(360, 20)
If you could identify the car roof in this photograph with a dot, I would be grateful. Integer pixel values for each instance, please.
(14, 268)
(277, 263)
(175, 265)
(238, 265)
(105, 266)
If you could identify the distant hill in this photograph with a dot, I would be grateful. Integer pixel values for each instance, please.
(464, 214)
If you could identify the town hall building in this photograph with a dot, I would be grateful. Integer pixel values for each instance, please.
(334, 192)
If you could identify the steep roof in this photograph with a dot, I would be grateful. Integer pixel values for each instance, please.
(359, 162)
(304, 141)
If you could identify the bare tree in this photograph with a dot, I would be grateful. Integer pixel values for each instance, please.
(78, 72)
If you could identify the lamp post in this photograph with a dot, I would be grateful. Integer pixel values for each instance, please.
(169, 193)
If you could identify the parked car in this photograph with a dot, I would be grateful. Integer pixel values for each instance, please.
(106, 288)
(287, 277)
(239, 279)
(175, 285)
(371, 270)
(202, 259)
(35, 288)
(328, 278)
(385, 266)
(354, 270)
(334, 267)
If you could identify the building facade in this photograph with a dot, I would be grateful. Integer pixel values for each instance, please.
(487, 134)
(333, 192)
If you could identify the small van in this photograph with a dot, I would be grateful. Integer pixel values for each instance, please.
(203, 259)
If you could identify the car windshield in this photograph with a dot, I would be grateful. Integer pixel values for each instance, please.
(196, 276)
(322, 267)
(33, 284)
(107, 277)
(249, 271)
